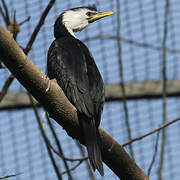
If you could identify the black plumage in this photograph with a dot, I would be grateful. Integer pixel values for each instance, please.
(72, 65)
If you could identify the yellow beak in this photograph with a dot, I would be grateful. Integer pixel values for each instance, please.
(99, 16)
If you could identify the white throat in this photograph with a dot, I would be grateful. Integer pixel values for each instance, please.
(75, 20)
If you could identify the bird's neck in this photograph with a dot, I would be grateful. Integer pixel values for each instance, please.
(60, 30)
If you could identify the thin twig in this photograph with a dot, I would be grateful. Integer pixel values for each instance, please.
(59, 154)
(56, 168)
(151, 132)
(28, 46)
(136, 43)
(59, 147)
(38, 27)
(65, 158)
(6, 12)
(26, 20)
(6, 86)
(2, 13)
(73, 168)
(15, 26)
(161, 165)
(11, 77)
(9, 176)
(154, 155)
(122, 80)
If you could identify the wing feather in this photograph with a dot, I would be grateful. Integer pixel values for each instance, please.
(72, 65)
(67, 63)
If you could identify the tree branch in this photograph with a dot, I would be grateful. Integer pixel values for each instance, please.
(164, 92)
(2, 14)
(31, 40)
(9, 176)
(7, 18)
(121, 72)
(151, 132)
(58, 144)
(60, 109)
(73, 168)
(6, 86)
(56, 168)
(154, 155)
(38, 27)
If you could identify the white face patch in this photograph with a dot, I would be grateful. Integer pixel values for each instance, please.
(75, 20)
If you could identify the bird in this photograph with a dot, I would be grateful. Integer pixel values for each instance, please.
(70, 62)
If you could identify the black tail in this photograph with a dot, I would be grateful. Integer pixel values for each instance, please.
(92, 140)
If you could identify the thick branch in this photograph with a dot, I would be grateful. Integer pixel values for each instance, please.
(60, 109)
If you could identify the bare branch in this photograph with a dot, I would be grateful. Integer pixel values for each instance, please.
(50, 145)
(56, 168)
(7, 19)
(60, 109)
(2, 13)
(151, 132)
(30, 43)
(59, 147)
(6, 86)
(164, 92)
(38, 27)
(73, 168)
(26, 20)
(9, 176)
(62, 156)
(122, 80)
(154, 155)
(14, 27)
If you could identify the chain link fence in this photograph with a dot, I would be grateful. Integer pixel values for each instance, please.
(142, 24)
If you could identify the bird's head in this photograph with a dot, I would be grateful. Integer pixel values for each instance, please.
(77, 19)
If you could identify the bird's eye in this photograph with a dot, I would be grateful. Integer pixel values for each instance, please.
(89, 13)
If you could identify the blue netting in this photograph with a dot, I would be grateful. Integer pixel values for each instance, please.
(22, 148)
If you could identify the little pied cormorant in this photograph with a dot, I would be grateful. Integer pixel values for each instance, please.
(72, 65)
